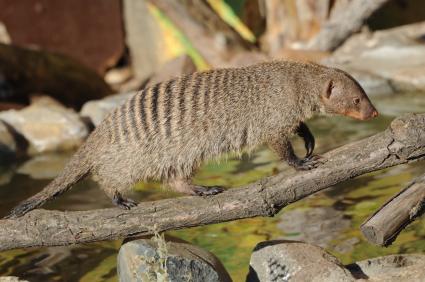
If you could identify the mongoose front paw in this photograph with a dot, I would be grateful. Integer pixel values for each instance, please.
(123, 203)
(207, 190)
(308, 163)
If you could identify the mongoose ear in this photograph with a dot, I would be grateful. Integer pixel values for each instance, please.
(328, 90)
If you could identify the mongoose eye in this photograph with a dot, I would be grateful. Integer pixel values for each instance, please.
(356, 101)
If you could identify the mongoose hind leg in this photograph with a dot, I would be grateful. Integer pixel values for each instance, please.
(122, 202)
(283, 148)
(184, 186)
(113, 191)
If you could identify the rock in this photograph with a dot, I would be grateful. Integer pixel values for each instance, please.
(117, 76)
(97, 110)
(145, 39)
(45, 166)
(392, 268)
(157, 260)
(90, 32)
(4, 35)
(396, 55)
(176, 67)
(294, 261)
(7, 144)
(317, 226)
(47, 126)
(11, 279)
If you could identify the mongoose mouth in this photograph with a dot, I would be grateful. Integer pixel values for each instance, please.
(360, 116)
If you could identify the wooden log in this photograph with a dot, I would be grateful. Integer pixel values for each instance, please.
(344, 22)
(24, 72)
(402, 142)
(383, 227)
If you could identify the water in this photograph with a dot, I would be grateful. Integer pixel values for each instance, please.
(330, 219)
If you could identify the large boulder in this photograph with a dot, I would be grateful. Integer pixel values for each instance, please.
(283, 260)
(392, 268)
(157, 260)
(96, 110)
(47, 126)
(294, 261)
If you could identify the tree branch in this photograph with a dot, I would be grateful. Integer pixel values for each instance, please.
(403, 142)
(344, 22)
(383, 227)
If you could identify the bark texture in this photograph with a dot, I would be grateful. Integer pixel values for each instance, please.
(402, 142)
(383, 227)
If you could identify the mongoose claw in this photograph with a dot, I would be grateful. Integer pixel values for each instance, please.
(123, 203)
(207, 190)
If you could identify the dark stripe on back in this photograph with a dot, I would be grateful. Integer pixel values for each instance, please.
(168, 106)
(143, 120)
(181, 98)
(133, 118)
(154, 106)
(195, 97)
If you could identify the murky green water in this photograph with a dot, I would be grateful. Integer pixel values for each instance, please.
(330, 218)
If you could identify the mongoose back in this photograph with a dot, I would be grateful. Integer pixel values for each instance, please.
(164, 132)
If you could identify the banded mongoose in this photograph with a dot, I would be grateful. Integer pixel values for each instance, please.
(165, 131)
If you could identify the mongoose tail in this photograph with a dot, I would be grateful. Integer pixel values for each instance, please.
(75, 170)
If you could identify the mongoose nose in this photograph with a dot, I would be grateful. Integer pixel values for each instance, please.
(375, 113)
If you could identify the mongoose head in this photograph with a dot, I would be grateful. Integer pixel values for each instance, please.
(343, 95)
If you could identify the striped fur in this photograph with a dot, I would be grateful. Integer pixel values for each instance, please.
(165, 132)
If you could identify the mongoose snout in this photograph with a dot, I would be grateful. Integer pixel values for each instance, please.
(166, 131)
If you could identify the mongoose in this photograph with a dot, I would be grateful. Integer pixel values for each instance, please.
(167, 130)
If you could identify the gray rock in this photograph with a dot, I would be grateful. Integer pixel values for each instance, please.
(294, 261)
(157, 260)
(176, 67)
(47, 126)
(317, 226)
(97, 110)
(148, 49)
(396, 55)
(7, 144)
(393, 268)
